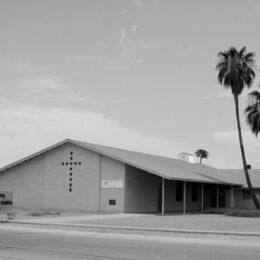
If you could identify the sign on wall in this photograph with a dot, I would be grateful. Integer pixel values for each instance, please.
(112, 183)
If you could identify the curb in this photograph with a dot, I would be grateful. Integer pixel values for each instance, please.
(154, 230)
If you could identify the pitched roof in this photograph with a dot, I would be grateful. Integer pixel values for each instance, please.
(238, 176)
(168, 168)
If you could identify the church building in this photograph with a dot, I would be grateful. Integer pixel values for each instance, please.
(79, 176)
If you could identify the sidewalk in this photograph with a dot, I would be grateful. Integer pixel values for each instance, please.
(80, 222)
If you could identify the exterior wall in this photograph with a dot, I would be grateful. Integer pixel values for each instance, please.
(26, 183)
(171, 204)
(209, 188)
(85, 179)
(44, 182)
(240, 202)
(141, 190)
(193, 205)
(112, 170)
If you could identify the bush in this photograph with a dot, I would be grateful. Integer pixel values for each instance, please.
(215, 211)
(246, 213)
(52, 212)
(37, 213)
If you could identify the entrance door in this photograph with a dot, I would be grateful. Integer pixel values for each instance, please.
(159, 199)
(222, 197)
(213, 196)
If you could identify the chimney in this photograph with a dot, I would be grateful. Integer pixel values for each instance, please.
(188, 157)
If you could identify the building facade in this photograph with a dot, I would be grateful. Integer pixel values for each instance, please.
(79, 176)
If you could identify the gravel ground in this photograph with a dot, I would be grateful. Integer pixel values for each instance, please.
(194, 222)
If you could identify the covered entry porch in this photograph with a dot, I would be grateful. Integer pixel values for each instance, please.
(146, 192)
(188, 196)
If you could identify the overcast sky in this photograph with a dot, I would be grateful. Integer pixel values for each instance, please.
(137, 74)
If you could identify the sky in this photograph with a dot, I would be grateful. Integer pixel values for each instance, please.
(137, 75)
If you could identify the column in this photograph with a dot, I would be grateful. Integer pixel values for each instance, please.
(202, 197)
(163, 196)
(217, 196)
(232, 196)
(184, 197)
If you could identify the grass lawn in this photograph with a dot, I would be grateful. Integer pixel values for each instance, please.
(193, 221)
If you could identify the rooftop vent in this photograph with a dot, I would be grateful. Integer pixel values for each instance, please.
(188, 157)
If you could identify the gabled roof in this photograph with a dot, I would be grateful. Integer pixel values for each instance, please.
(168, 168)
(239, 176)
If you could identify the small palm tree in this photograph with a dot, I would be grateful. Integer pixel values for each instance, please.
(235, 72)
(252, 112)
(202, 154)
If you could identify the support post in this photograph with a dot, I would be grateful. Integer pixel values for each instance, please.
(217, 196)
(202, 197)
(232, 197)
(184, 197)
(162, 196)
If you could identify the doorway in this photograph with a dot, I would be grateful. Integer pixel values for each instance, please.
(222, 197)
(159, 198)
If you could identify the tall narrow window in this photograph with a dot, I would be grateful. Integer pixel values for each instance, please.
(179, 190)
(194, 191)
(246, 194)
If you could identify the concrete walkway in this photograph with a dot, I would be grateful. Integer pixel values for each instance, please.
(70, 221)
(73, 218)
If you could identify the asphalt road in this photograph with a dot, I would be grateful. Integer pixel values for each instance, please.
(29, 243)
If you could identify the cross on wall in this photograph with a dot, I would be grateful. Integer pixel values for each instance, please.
(70, 164)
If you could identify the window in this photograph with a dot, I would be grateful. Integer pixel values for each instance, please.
(246, 194)
(112, 202)
(2, 195)
(194, 191)
(6, 202)
(71, 153)
(179, 187)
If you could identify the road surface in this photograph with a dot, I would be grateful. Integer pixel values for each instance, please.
(34, 243)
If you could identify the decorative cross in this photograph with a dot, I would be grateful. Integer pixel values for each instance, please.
(70, 164)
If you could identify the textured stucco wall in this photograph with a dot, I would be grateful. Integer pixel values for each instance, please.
(85, 179)
(240, 202)
(170, 197)
(112, 170)
(26, 183)
(44, 182)
(141, 190)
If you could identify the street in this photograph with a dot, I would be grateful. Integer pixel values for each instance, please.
(31, 243)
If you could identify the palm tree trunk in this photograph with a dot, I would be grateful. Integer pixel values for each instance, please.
(252, 191)
(200, 159)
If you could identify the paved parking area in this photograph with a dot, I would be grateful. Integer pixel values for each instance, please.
(194, 222)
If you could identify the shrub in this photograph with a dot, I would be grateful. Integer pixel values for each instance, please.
(215, 211)
(52, 212)
(37, 213)
(246, 213)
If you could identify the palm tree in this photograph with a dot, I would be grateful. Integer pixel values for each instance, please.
(252, 112)
(235, 72)
(202, 154)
